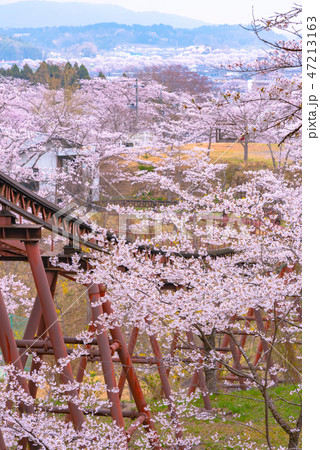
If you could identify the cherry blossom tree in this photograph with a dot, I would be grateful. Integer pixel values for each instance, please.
(283, 60)
(215, 259)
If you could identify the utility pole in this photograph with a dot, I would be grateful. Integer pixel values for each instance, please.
(136, 101)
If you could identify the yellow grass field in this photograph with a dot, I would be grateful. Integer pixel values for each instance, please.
(226, 152)
(229, 152)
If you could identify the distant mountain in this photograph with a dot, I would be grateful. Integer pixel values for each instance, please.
(15, 49)
(53, 14)
(91, 39)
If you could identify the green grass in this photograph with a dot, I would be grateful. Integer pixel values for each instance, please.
(232, 411)
(236, 409)
(250, 403)
(146, 167)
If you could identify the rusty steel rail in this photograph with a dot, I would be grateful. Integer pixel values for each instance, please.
(39, 343)
(31, 206)
(138, 203)
(26, 203)
(100, 412)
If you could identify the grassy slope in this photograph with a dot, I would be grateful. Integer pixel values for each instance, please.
(240, 408)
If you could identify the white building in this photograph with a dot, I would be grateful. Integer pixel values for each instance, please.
(52, 155)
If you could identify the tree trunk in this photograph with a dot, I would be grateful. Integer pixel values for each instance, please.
(246, 150)
(88, 309)
(210, 141)
(294, 436)
(210, 373)
(272, 156)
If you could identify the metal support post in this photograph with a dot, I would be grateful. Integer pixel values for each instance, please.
(131, 375)
(52, 322)
(106, 357)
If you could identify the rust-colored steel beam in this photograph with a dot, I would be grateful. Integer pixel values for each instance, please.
(198, 377)
(114, 347)
(217, 349)
(198, 380)
(136, 424)
(46, 344)
(243, 338)
(35, 365)
(148, 360)
(81, 369)
(82, 363)
(39, 342)
(83, 359)
(131, 375)
(131, 344)
(94, 356)
(23, 232)
(102, 412)
(165, 384)
(35, 316)
(9, 349)
(161, 367)
(173, 348)
(52, 322)
(265, 345)
(106, 356)
(237, 361)
(11, 356)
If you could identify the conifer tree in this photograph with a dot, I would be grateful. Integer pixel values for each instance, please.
(15, 71)
(83, 73)
(55, 76)
(27, 73)
(42, 74)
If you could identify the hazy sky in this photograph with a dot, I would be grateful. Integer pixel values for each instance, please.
(212, 11)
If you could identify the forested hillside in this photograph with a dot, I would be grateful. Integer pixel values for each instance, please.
(13, 49)
(106, 36)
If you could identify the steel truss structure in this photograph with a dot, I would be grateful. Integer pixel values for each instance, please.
(43, 335)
